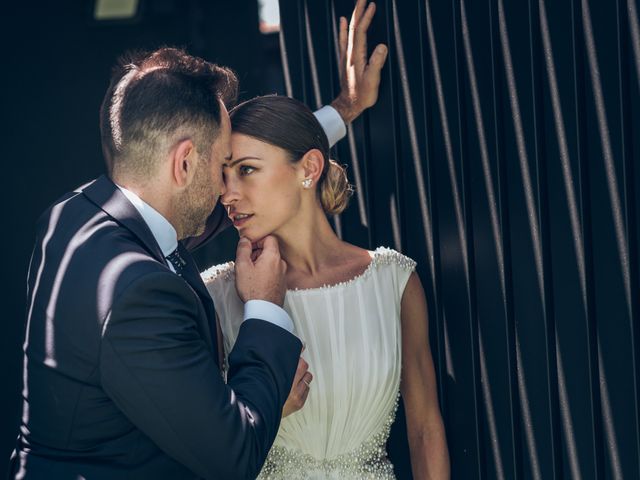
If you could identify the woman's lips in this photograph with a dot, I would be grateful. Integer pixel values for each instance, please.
(238, 222)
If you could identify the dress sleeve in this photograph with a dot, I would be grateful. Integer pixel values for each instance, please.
(220, 282)
(401, 266)
(405, 267)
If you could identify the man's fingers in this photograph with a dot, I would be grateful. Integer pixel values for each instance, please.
(360, 39)
(243, 251)
(353, 25)
(378, 57)
(255, 253)
(357, 13)
(343, 39)
(372, 74)
(304, 394)
(257, 245)
(304, 384)
(302, 389)
(302, 368)
(270, 244)
(283, 267)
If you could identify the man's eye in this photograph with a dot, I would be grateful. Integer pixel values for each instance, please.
(245, 170)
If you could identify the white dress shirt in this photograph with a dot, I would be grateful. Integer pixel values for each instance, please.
(332, 124)
(167, 239)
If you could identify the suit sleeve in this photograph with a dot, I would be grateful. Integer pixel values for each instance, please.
(156, 367)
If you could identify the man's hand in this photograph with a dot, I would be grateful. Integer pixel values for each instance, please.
(299, 389)
(359, 79)
(260, 273)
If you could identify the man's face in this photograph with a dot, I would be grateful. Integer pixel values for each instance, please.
(201, 196)
(220, 154)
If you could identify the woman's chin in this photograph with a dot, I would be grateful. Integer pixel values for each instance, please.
(247, 233)
(252, 234)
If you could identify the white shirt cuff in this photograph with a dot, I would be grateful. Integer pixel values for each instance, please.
(332, 124)
(269, 312)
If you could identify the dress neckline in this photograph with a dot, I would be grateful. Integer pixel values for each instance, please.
(374, 254)
(381, 255)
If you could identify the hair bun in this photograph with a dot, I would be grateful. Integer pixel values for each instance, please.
(335, 189)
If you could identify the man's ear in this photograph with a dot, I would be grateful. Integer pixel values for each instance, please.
(312, 164)
(183, 161)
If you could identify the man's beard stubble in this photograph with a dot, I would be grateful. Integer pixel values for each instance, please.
(195, 204)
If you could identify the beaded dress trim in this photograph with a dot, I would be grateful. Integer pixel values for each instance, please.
(369, 461)
(381, 256)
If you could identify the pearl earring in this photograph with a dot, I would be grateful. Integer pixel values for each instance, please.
(306, 183)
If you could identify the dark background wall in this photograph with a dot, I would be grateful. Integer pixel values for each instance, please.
(504, 156)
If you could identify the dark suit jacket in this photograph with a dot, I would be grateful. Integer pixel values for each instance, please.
(121, 375)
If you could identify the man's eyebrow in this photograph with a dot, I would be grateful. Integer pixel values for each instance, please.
(233, 162)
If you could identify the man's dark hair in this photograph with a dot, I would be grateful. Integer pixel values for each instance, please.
(155, 99)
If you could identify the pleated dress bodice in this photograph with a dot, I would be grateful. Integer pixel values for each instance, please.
(353, 346)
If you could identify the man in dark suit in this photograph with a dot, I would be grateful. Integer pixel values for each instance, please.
(122, 376)
(121, 354)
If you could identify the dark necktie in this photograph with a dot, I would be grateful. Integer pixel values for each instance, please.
(177, 261)
(185, 267)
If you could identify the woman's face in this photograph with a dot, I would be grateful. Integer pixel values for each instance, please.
(263, 187)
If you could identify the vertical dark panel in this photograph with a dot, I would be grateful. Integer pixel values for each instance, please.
(571, 288)
(631, 10)
(629, 39)
(535, 361)
(495, 334)
(319, 55)
(503, 155)
(460, 385)
(292, 28)
(415, 190)
(382, 135)
(611, 269)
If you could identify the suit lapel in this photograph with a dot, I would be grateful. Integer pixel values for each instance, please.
(192, 275)
(107, 196)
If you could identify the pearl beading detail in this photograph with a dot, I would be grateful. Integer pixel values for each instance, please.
(381, 256)
(368, 461)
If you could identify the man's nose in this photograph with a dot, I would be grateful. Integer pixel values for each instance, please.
(223, 188)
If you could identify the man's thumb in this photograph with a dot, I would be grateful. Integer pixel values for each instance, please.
(243, 252)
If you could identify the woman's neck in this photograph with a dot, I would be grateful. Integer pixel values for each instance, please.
(307, 245)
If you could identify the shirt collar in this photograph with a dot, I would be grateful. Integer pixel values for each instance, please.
(162, 230)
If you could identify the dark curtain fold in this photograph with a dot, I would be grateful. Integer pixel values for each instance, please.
(504, 156)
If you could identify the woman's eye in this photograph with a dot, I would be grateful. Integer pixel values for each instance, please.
(246, 170)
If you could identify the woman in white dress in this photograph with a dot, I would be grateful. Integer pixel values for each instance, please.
(362, 314)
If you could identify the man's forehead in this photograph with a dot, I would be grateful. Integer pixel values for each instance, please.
(225, 121)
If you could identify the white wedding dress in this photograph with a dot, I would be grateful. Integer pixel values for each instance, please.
(353, 347)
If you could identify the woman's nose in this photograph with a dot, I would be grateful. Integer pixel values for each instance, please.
(230, 192)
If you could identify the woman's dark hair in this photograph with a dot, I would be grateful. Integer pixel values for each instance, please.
(290, 125)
